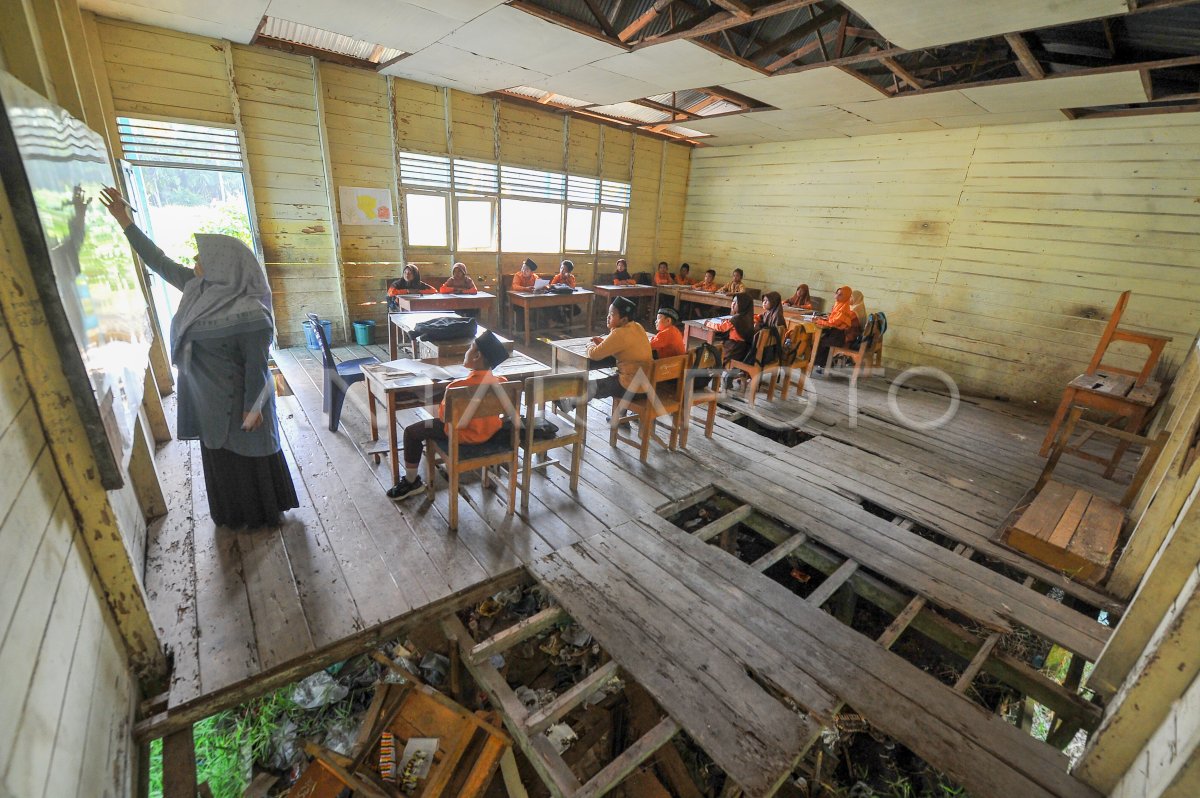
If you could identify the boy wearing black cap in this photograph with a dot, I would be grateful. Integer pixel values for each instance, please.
(668, 340)
(485, 354)
(627, 342)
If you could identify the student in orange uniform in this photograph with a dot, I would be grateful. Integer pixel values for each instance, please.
(685, 275)
(622, 276)
(737, 330)
(460, 282)
(526, 276)
(565, 275)
(709, 283)
(484, 355)
(662, 276)
(668, 341)
(734, 286)
(838, 327)
(801, 299)
(410, 283)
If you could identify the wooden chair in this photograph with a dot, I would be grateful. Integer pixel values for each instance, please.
(462, 405)
(797, 358)
(338, 376)
(1071, 528)
(1124, 393)
(702, 386)
(658, 399)
(765, 340)
(539, 391)
(867, 347)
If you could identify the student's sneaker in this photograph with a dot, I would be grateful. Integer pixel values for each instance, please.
(566, 405)
(404, 488)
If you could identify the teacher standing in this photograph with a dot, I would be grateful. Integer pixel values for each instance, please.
(220, 342)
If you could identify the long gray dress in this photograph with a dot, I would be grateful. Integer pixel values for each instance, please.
(219, 379)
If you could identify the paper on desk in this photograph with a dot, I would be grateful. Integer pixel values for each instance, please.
(420, 368)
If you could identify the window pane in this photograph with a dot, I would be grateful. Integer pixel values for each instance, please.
(579, 229)
(612, 231)
(476, 224)
(530, 226)
(426, 215)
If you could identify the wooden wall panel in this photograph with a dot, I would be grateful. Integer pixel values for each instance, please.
(672, 203)
(53, 624)
(160, 73)
(997, 253)
(420, 116)
(277, 97)
(531, 138)
(473, 126)
(583, 147)
(643, 208)
(616, 151)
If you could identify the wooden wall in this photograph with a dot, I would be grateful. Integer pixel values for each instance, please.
(996, 252)
(311, 126)
(67, 694)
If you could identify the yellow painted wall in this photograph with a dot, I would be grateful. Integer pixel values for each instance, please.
(67, 692)
(996, 252)
(310, 127)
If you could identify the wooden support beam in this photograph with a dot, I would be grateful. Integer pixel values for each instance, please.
(570, 23)
(779, 552)
(721, 21)
(648, 16)
(727, 521)
(832, 582)
(902, 621)
(1028, 64)
(553, 771)
(972, 670)
(736, 7)
(899, 71)
(799, 32)
(605, 25)
(179, 765)
(615, 771)
(558, 709)
(522, 630)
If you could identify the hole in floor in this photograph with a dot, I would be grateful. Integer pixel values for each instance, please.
(704, 511)
(788, 436)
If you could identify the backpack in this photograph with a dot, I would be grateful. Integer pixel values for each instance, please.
(644, 278)
(706, 362)
(446, 328)
(771, 352)
(795, 340)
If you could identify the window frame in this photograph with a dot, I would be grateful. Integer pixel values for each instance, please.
(447, 212)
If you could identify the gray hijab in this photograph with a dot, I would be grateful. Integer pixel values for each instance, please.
(232, 297)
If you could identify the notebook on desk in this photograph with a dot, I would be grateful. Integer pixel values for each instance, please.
(540, 284)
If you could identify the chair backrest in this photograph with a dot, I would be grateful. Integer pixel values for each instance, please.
(319, 331)
(670, 369)
(481, 401)
(1109, 330)
(551, 387)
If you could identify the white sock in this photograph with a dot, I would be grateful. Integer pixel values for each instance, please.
(410, 472)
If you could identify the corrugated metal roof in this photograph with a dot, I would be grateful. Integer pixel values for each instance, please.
(632, 111)
(294, 32)
(539, 94)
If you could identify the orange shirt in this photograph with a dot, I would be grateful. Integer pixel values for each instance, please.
(478, 429)
(563, 279)
(733, 288)
(688, 281)
(663, 279)
(520, 283)
(725, 326)
(456, 286)
(425, 288)
(841, 317)
(668, 342)
(627, 280)
(711, 288)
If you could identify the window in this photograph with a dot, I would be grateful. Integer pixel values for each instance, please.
(539, 211)
(578, 236)
(610, 235)
(476, 224)
(184, 179)
(530, 226)
(426, 218)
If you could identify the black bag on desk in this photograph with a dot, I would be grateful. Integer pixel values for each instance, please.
(446, 328)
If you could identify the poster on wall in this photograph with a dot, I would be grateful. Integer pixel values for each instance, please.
(365, 205)
(53, 167)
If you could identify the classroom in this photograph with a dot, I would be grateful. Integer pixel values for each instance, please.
(569, 398)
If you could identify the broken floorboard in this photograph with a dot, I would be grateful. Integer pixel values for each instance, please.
(719, 645)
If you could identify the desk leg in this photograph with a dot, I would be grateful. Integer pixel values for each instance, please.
(1068, 399)
(812, 359)
(528, 321)
(392, 442)
(1133, 423)
(371, 410)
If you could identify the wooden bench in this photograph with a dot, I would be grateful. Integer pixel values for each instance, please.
(1071, 528)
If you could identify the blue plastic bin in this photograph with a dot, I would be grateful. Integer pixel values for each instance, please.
(310, 335)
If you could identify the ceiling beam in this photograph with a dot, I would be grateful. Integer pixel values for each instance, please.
(734, 7)
(1028, 64)
(605, 25)
(651, 14)
(570, 23)
(798, 32)
(657, 106)
(902, 73)
(722, 21)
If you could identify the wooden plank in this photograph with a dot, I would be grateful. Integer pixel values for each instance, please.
(557, 709)
(725, 522)
(1064, 530)
(832, 583)
(973, 667)
(522, 630)
(612, 774)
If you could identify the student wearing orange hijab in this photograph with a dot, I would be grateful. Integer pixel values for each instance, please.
(839, 327)
(622, 276)
(801, 299)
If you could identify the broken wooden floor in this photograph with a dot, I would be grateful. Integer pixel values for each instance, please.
(245, 611)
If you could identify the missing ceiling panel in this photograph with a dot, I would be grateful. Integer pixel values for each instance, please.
(295, 37)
